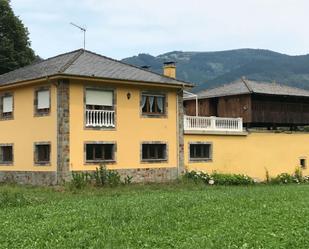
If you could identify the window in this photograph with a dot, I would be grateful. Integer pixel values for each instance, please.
(154, 152)
(200, 151)
(6, 154)
(303, 163)
(152, 104)
(42, 101)
(7, 106)
(99, 100)
(100, 152)
(42, 153)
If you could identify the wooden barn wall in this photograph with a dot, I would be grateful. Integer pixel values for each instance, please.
(280, 109)
(203, 107)
(235, 107)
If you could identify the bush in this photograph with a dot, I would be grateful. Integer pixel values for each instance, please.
(100, 177)
(231, 179)
(80, 179)
(283, 178)
(218, 178)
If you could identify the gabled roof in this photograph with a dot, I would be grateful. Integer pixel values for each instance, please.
(85, 64)
(244, 86)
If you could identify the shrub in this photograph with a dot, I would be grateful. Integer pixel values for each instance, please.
(283, 178)
(80, 179)
(298, 175)
(267, 176)
(113, 178)
(218, 178)
(128, 180)
(231, 179)
(100, 177)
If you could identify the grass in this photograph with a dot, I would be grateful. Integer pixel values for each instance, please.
(155, 216)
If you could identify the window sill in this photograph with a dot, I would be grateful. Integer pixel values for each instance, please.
(42, 164)
(41, 114)
(200, 160)
(149, 115)
(153, 160)
(3, 118)
(100, 162)
(6, 164)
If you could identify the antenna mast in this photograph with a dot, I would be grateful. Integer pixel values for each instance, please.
(83, 30)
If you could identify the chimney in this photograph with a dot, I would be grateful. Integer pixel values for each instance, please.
(169, 69)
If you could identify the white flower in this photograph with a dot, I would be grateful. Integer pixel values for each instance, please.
(211, 182)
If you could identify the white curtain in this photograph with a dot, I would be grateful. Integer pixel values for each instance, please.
(7, 104)
(160, 103)
(144, 98)
(151, 101)
(43, 99)
(98, 97)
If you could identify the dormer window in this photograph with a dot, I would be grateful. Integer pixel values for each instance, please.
(7, 106)
(42, 102)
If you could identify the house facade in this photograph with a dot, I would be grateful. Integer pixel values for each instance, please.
(76, 111)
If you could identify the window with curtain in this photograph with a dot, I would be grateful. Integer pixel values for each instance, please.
(153, 104)
(99, 99)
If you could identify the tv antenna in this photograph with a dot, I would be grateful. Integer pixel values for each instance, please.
(83, 30)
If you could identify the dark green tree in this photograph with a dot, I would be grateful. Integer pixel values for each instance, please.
(15, 50)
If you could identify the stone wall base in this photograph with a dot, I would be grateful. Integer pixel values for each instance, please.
(39, 178)
(150, 174)
(42, 178)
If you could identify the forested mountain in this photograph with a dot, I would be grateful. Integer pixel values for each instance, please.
(210, 69)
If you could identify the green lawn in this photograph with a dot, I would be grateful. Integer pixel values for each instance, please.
(154, 216)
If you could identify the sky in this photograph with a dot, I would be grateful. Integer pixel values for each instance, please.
(123, 28)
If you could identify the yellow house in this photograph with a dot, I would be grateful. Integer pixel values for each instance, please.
(77, 110)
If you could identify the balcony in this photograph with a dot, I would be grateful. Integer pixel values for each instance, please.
(100, 118)
(196, 124)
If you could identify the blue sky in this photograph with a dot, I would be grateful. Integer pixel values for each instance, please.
(122, 28)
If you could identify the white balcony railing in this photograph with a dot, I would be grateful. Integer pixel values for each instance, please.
(100, 118)
(195, 123)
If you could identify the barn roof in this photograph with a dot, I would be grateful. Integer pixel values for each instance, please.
(244, 86)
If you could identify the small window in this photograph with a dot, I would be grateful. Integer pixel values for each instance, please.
(7, 106)
(6, 154)
(153, 104)
(303, 163)
(99, 100)
(100, 152)
(42, 153)
(154, 152)
(42, 102)
(200, 152)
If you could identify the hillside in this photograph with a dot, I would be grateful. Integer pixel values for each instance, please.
(211, 69)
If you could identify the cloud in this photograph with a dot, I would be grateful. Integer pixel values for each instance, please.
(121, 28)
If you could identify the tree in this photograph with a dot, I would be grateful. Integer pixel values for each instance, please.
(15, 50)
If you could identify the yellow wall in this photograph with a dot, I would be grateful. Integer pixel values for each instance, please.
(25, 129)
(131, 128)
(252, 154)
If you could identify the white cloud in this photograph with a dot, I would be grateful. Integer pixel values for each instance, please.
(121, 28)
